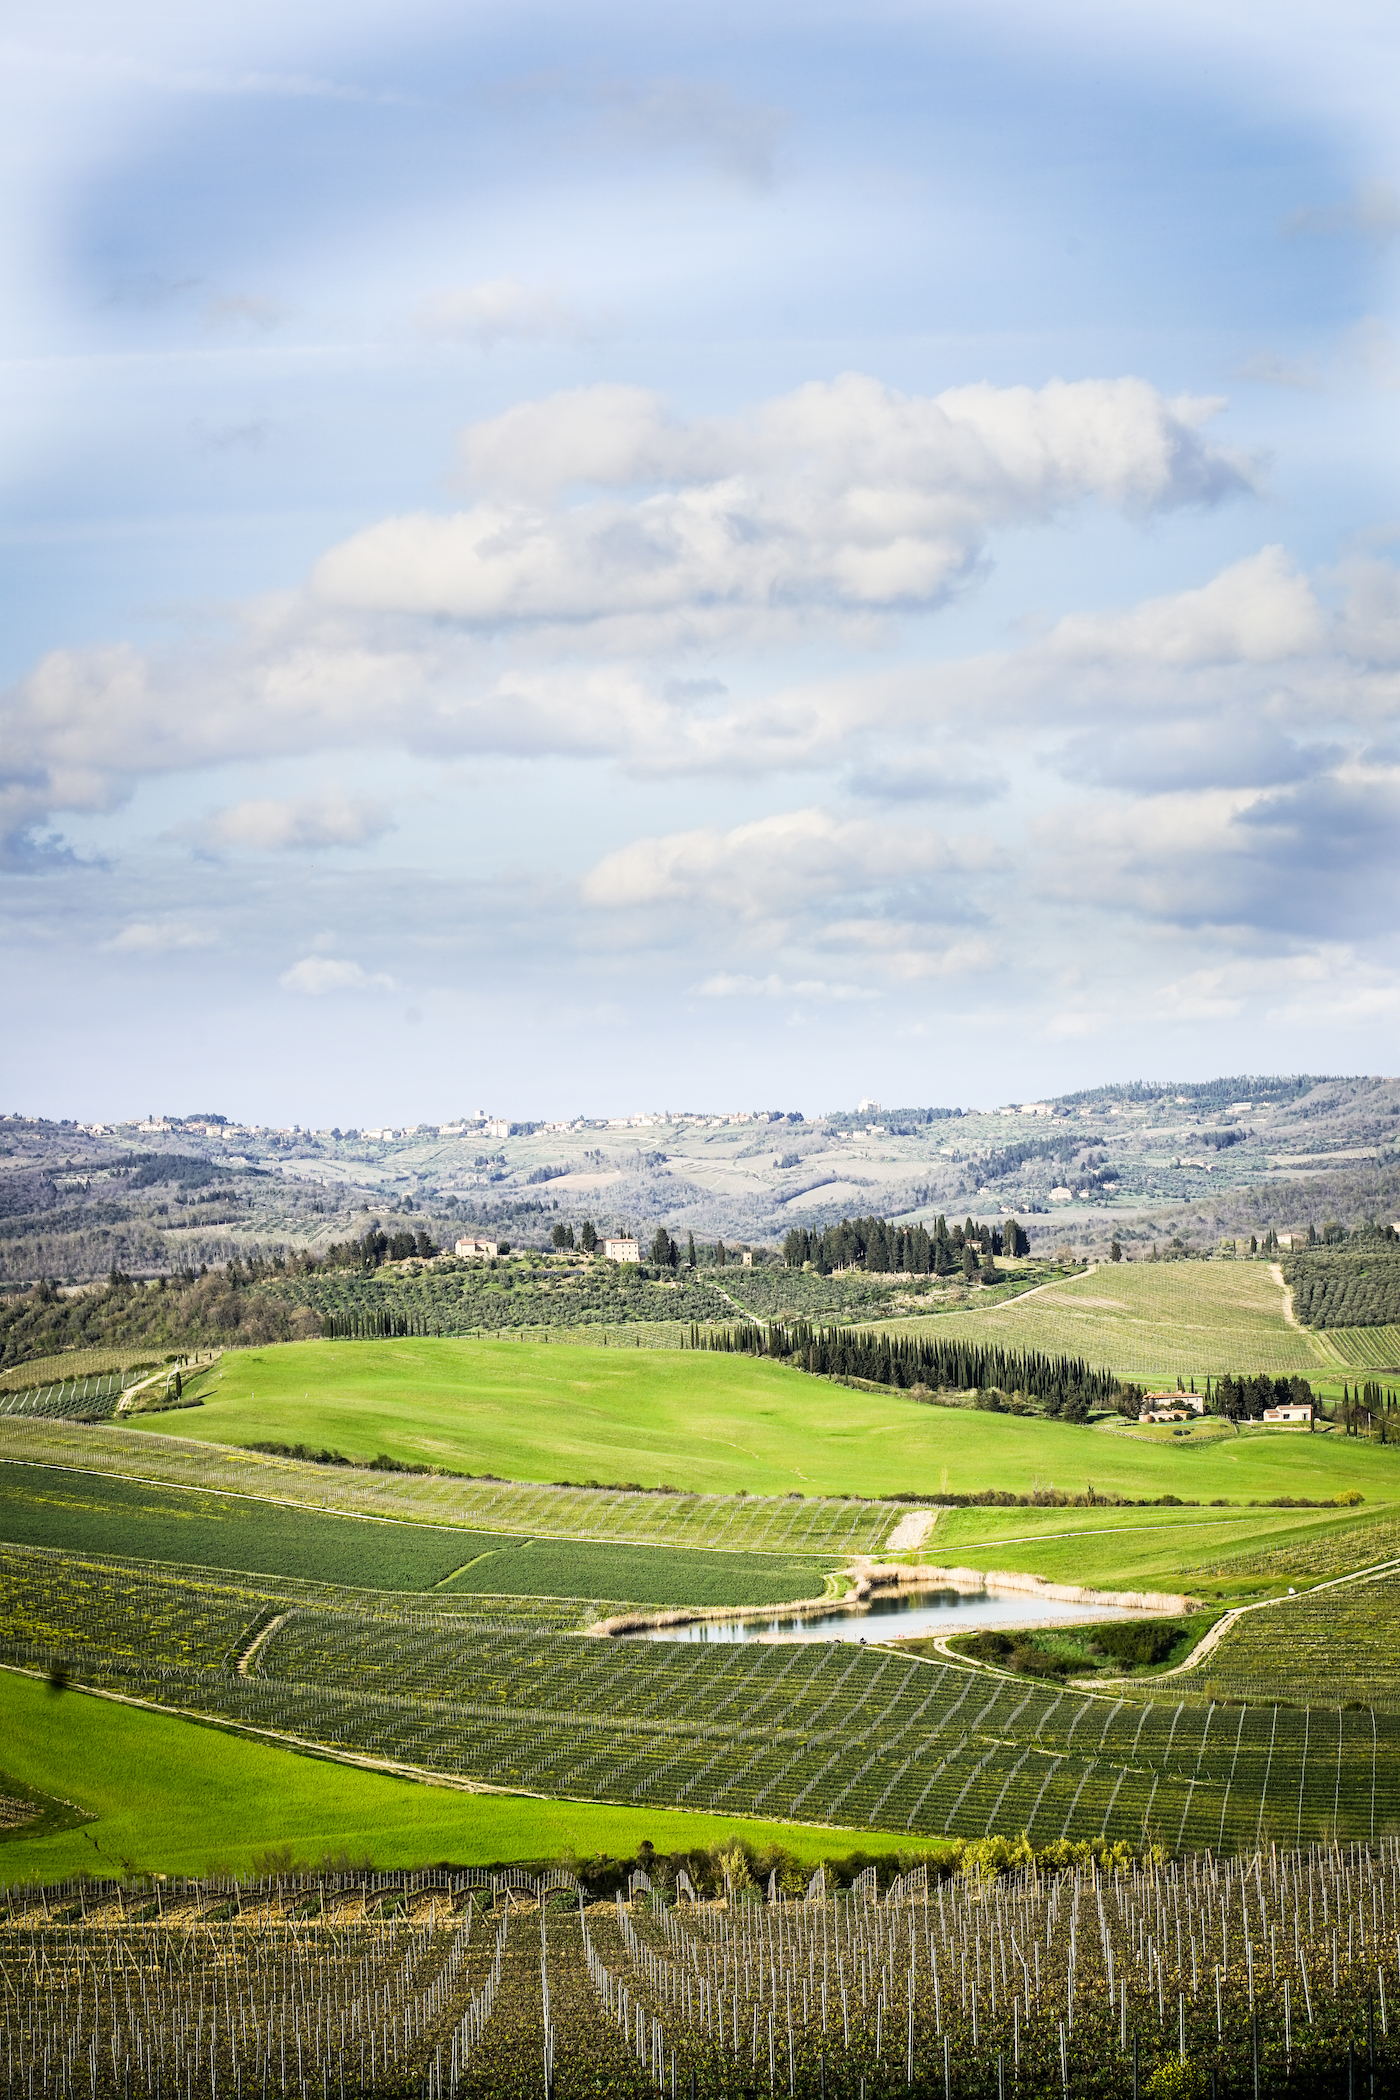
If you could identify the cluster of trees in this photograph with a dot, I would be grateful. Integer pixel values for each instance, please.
(887, 1249)
(1062, 1385)
(1244, 1399)
(1346, 1279)
(373, 1248)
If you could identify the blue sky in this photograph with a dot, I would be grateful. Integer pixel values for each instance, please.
(589, 558)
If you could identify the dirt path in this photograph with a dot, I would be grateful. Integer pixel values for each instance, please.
(250, 1653)
(911, 1531)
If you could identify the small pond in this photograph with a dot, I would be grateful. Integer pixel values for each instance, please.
(899, 1616)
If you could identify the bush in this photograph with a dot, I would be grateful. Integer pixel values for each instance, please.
(1130, 1642)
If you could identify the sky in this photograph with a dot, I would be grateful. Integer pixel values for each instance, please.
(582, 558)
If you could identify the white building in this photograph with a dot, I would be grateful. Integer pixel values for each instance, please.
(497, 1130)
(622, 1250)
(1291, 1412)
(1171, 1407)
(476, 1250)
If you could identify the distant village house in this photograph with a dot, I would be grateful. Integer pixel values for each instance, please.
(622, 1250)
(477, 1250)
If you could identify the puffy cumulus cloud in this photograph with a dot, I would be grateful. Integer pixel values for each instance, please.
(774, 865)
(845, 494)
(269, 826)
(1257, 611)
(315, 975)
(500, 309)
(1313, 860)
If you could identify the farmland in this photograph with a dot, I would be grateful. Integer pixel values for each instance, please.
(1159, 1320)
(506, 1985)
(145, 1780)
(1290, 1651)
(823, 1732)
(40, 1506)
(713, 1424)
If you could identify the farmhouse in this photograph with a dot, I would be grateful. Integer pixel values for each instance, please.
(622, 1250)
(1292, 1413)
(1170, 1407)
(476, 1250)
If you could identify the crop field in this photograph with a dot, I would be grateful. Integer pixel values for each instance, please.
(81, 1512)
(713, 1423)
(826, 1526)
(1164, 1549)
(1157, 1320)
(74, 1363)
(868, 1738)
(144, 1782)
(89, 1399)
(454, 1983)
(1292, 1649)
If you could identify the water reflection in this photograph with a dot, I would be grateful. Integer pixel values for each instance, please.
(899, 1616)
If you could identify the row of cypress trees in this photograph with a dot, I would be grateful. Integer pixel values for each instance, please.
(1062, 1384)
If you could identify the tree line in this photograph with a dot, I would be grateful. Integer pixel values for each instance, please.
(886, 1248)
(1063, 1385)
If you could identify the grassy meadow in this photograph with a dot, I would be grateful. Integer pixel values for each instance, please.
(170, 1796)
(696, 1420)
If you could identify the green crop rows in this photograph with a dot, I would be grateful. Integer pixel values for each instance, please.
(90, 1514)
(73, 1399)
(819, 1732)
(1321, 1554)
(753, 1523)
(1305, 1647)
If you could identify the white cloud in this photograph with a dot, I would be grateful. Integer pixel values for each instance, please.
(728, 984)
(845, 494)
(318, 974)
(154, 937)
(1259, 610)
(774, 865)
(269, 826)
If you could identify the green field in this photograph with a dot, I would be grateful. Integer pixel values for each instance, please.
(1290, 1651)
(1243, 1551)
(1152, 1320)
(871, 1738)
(80, 1512)
(148, 1780)
(714, 1423)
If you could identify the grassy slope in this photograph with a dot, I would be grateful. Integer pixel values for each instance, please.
(1137, 1549)
(534, 1412)
(1155, 1319)
(40, 1506)
(151, 1781)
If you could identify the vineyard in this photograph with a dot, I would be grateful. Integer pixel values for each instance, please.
(822, 1732)
(1150, 1319)
(827, 1526)
(1294, 1649)
(1274, 1972)
(91, 1399)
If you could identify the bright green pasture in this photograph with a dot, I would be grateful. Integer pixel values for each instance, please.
(172, 1797)
(1163, 1549)
(531, 1411)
